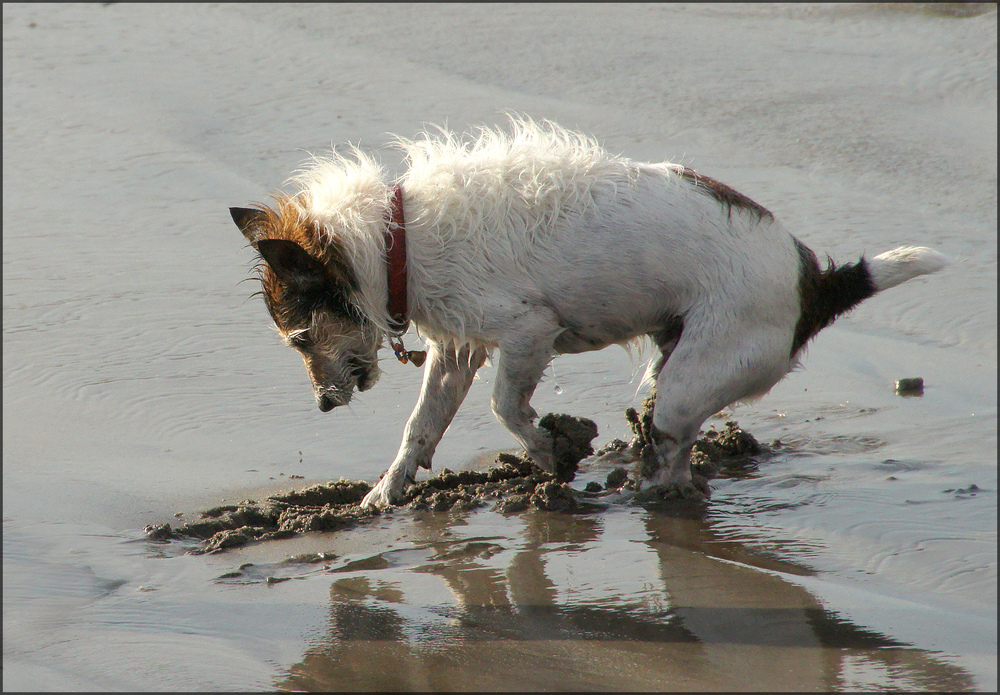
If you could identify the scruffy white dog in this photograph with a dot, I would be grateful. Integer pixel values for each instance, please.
(532, 243)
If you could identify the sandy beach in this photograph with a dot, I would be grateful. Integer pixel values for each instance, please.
(142, 384)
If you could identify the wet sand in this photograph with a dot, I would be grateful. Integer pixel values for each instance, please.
(488, 614)
(142, 384)
(513, 484)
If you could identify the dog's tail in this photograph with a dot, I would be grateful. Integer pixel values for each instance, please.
(904, 263)
(825, 294)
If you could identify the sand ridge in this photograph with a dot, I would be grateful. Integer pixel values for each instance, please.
(512, 485)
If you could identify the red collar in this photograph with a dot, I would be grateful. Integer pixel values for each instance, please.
(395, 238)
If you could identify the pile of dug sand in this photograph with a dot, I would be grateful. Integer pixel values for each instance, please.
(513, 485)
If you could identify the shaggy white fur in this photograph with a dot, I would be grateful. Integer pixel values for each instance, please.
(347, 199)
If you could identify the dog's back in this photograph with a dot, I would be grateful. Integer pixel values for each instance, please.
(546, 216)
(617, 249)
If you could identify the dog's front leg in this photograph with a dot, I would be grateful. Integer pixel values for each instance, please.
(448, 374)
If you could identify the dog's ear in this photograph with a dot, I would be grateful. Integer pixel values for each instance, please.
(250, 221)
(293, 265)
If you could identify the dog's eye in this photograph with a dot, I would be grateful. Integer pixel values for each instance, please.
(299, 341)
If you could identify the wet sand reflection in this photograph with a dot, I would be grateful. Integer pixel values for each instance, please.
(635, 599)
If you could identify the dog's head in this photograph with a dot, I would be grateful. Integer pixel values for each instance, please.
(308, 287)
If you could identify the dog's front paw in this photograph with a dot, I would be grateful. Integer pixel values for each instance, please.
(388, 491)
(541, 455)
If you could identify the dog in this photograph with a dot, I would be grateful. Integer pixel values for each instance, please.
(531, 242)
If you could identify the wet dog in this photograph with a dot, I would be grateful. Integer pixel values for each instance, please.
(532, 243)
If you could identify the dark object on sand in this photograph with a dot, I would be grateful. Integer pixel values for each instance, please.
(913, 386)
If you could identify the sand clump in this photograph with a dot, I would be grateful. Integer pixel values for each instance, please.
(732, 452)
(514, 484)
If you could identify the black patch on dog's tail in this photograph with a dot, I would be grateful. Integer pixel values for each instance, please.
(826, 294)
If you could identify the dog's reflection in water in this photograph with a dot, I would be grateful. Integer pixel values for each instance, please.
(576, 605)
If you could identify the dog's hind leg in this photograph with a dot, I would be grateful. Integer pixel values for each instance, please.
(448, 374)
(701, 377)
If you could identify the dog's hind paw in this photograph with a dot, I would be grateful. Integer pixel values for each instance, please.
(694, 490)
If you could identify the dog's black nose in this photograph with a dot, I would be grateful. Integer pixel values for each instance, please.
(325, 403)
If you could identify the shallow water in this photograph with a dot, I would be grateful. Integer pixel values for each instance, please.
(140, 381)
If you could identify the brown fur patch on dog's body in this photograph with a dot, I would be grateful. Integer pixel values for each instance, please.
(723, 193)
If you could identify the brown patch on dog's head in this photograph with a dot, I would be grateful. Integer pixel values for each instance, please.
(301, 272)
(307, 284)
(723, 193)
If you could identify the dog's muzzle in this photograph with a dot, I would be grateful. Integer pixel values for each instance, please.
(363, 377)
(327, 402)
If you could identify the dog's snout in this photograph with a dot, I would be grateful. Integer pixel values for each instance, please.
(326, 403)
